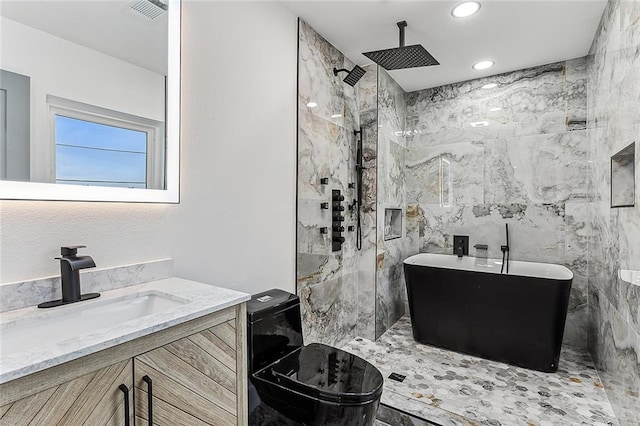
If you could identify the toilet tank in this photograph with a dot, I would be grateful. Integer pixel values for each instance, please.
(274, 327)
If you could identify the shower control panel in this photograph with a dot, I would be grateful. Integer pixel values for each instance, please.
(337, 218)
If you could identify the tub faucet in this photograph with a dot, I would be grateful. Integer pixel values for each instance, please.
(70, 265)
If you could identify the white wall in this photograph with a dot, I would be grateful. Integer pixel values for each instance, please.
(68, 70)
(235, 225)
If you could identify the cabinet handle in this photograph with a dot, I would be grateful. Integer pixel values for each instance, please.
(125, 391)
(149, 382)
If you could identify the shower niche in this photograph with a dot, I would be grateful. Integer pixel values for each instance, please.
(623, 177)
(392, 224)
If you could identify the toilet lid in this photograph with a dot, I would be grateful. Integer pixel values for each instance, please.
(329, 374)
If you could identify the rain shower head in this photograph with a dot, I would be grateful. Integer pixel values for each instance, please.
(402, 57)
(354, 75)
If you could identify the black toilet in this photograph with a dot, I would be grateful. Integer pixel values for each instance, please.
(293, 384)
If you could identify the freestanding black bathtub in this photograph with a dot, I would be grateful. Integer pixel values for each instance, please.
(467, 305)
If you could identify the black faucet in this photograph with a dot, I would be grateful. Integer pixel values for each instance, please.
(505, 251)
(460, 250)
(70, 265)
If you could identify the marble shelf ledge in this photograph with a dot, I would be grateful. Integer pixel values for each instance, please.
(203, 299)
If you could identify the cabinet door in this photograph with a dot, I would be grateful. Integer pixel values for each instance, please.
(92, 399)
(193, 380)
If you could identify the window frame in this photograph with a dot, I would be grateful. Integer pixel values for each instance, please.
(156, 146)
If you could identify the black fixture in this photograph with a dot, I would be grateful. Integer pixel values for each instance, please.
(324, 181)
(291, 383)
(127, 410)
(358, 201)
(336, 220)
(461, 245)
(350, 228)
(323, 230)
(353, 75)
(404, 56)
(505, 250)
(324, 206)
(149, 383)
(70, 265)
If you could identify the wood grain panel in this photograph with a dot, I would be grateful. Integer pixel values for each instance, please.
(62, 400)
(240, 325)
(181, 372)
(24, 410)
(216, 348)
(102, 397)
(199, 359)
(226, 333)
(165, 414)
(180, 397)
(4, 409)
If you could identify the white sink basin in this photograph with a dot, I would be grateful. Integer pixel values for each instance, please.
(80, 319)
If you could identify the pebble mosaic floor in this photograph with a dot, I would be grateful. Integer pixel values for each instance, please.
(449, 388)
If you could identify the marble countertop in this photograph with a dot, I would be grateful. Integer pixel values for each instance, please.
(196, 300)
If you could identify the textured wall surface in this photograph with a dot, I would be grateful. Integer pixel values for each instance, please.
(614, 123)
(390, 289)
(334, 299)
(527, 167)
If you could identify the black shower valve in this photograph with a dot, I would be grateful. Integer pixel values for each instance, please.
(352, 185)
(338, 197)
(338, 228)
(338, 240)
(324, 181)
(350, 228)
(324, 206)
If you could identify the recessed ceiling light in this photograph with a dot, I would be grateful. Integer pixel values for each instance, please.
(465, 9)
(490, 86)
(312, 104)
(480, 124)
(494, 109)
(336, 115)
(483, 65)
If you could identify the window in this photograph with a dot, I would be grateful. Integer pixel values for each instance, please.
(100, 147)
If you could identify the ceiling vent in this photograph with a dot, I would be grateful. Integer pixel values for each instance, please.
(150, 10)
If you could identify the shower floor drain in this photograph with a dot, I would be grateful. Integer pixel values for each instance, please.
(397, 377)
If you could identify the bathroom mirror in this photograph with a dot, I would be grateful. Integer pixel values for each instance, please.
(90, 100)
(623, 177)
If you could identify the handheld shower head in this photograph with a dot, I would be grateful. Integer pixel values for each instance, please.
(353, 76)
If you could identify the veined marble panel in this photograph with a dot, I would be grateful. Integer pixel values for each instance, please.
(537, 169)
(536, 231)
(616, 349)
(329, 310)
(613, 118)
(29, 293)
(391, 193)
(533, 101)
(451, 174)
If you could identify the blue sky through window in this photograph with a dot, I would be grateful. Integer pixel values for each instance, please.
(89, 153)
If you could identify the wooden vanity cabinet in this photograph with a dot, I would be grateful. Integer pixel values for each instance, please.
(91, 399)
(190, 374)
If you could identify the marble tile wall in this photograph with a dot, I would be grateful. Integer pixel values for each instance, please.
(527, 167)
(392, 152)
(337, 289)
(613, 123)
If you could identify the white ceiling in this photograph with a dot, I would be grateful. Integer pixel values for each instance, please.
(107, 26)
(516, 34)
